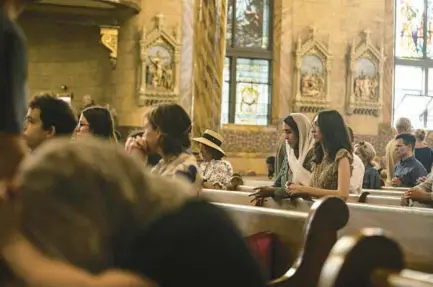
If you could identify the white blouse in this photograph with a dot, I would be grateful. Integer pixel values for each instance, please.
(217, 172)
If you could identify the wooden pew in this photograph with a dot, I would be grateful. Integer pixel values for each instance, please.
(244, 198)
(366, 197)
(309, 235)
(396, 193)
(256, 183)
(369, 258)
(394, 188)
(379, 192)
(412, 227)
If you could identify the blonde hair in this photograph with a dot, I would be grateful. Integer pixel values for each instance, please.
(81, 198)
(366, 152)
(420, 134)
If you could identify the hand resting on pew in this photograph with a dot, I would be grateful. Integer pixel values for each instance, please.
(264, 191)
(313, 191)
(416, 194)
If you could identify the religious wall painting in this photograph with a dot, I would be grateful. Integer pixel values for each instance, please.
(312, 75)
(160, 58)
(365, 78)
(366, 85)
(159, 65)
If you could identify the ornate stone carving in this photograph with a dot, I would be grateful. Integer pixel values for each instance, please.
(365, 78)
(312, 75)
(160, 69)
(109, 38)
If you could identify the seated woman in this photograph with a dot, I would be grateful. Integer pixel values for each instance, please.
(96, 121)
(366, 153)
(297, 165)
(423, 153)
(332, 158)
(215, 172)
(101, 220)
(167, 129)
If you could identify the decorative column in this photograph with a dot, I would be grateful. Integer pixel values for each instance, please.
(210, 18)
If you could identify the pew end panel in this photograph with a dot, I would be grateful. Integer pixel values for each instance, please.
(327, 216)
(354, 258)
(287, 226)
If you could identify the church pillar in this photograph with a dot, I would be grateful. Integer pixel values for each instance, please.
(208, 63)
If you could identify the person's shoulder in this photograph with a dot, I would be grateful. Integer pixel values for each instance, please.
(344, 153)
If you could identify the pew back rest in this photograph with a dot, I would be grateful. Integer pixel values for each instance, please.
(256, 183)
(376, 192)
(244, 198)
(411, 227)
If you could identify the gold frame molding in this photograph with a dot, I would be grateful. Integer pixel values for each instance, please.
(109, 38)
(365, 50)
(312, 47)
(170, 41)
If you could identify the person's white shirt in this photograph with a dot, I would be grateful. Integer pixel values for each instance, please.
(357, 178)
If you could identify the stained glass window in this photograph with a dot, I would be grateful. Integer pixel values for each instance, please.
(252, 92)
(410, 28)
(229, 33)
(247, 70)
(413, 76)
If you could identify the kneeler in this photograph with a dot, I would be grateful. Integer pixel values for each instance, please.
(262, 246)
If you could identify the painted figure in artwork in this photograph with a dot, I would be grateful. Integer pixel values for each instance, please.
(365, 87)
(312, 83)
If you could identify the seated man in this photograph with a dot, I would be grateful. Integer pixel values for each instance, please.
(408, 169)
(48, 117)
(421, 193)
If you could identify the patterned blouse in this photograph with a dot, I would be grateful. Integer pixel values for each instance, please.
(325, 174)
(216, 172)
(182, 166)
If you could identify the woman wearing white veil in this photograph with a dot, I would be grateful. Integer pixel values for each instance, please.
(297, 165)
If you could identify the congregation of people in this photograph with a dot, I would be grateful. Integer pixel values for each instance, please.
(83, 205)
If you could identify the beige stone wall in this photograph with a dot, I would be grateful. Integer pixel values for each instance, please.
(62, 54)
(338, 22)
(126, 73)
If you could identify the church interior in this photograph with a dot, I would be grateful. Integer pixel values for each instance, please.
(300, 119)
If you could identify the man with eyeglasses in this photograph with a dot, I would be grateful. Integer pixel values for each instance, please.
(47, 117)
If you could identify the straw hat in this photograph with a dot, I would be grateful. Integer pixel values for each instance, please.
(211, 139)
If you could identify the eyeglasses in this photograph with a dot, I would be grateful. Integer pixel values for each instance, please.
(80, 125)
